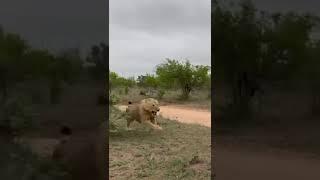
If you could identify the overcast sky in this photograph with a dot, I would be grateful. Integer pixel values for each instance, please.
(56, 24)
(145, 32)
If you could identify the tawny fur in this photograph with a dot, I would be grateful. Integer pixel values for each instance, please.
(86, 158)
(143, 112)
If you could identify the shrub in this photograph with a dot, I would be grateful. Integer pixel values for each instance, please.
(16, 114)
(142, 93)
(120, 92)
(113, 99)
(185, 76)
(161, 93)
(126, 90)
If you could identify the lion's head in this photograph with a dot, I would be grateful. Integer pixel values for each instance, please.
(151, 105)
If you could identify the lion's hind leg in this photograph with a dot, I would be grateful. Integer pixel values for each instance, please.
(129, 121)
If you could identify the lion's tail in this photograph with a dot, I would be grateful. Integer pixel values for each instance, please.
(129, 102)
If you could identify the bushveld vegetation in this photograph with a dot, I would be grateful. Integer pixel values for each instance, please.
(23, 69)
(266, 76)
(257, 52)
(172, 75)
(30, 78)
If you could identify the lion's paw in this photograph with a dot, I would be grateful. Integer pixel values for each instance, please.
(129, 129)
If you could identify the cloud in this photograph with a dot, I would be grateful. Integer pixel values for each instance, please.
(144, 33)
(56, 24)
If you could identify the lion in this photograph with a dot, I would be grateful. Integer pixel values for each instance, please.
(85, 158)
(144, 112)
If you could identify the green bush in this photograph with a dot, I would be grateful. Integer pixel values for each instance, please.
(16, 114)
(113, 99)
(126, 90)
(161, 94)
(183, 75)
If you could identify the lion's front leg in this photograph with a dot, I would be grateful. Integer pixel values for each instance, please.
(154, 120)
(154, 126)
(149, 120)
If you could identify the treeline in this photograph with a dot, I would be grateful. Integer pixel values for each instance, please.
(19, 62)
(172, 74)
(251, 48)
(23, 67)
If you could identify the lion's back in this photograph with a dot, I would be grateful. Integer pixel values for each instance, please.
(134, 111)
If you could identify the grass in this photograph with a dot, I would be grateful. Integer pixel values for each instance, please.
(18, 162)
(180, 151)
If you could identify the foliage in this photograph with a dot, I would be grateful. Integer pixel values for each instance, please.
(19, 62)
(148, 81)
(114, 99)
(99, 56)
(251, 45)
(161, 93)
(185, 75)
(116, 81)
(70, 64)
(126, 90)
(16, 115)
(12, 51)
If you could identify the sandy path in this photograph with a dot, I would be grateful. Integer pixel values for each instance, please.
(234, 164)
(183, 114)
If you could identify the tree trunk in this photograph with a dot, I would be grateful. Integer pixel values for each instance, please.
(241, 95)
(186, 91)
(55, 91)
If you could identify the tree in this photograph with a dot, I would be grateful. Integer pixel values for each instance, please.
(287, 42)
(113, 80)
(185, 75)
(116, 81)
(148, 81)
(12, 51)
(72, 64)
(249, 46)
(37, 63)
(99, 56)
(65, 67)
(310, 74)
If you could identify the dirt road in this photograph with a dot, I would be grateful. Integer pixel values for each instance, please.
(183, 114)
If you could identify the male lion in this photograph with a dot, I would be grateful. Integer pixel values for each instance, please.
(144, 112)
(85, 157)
